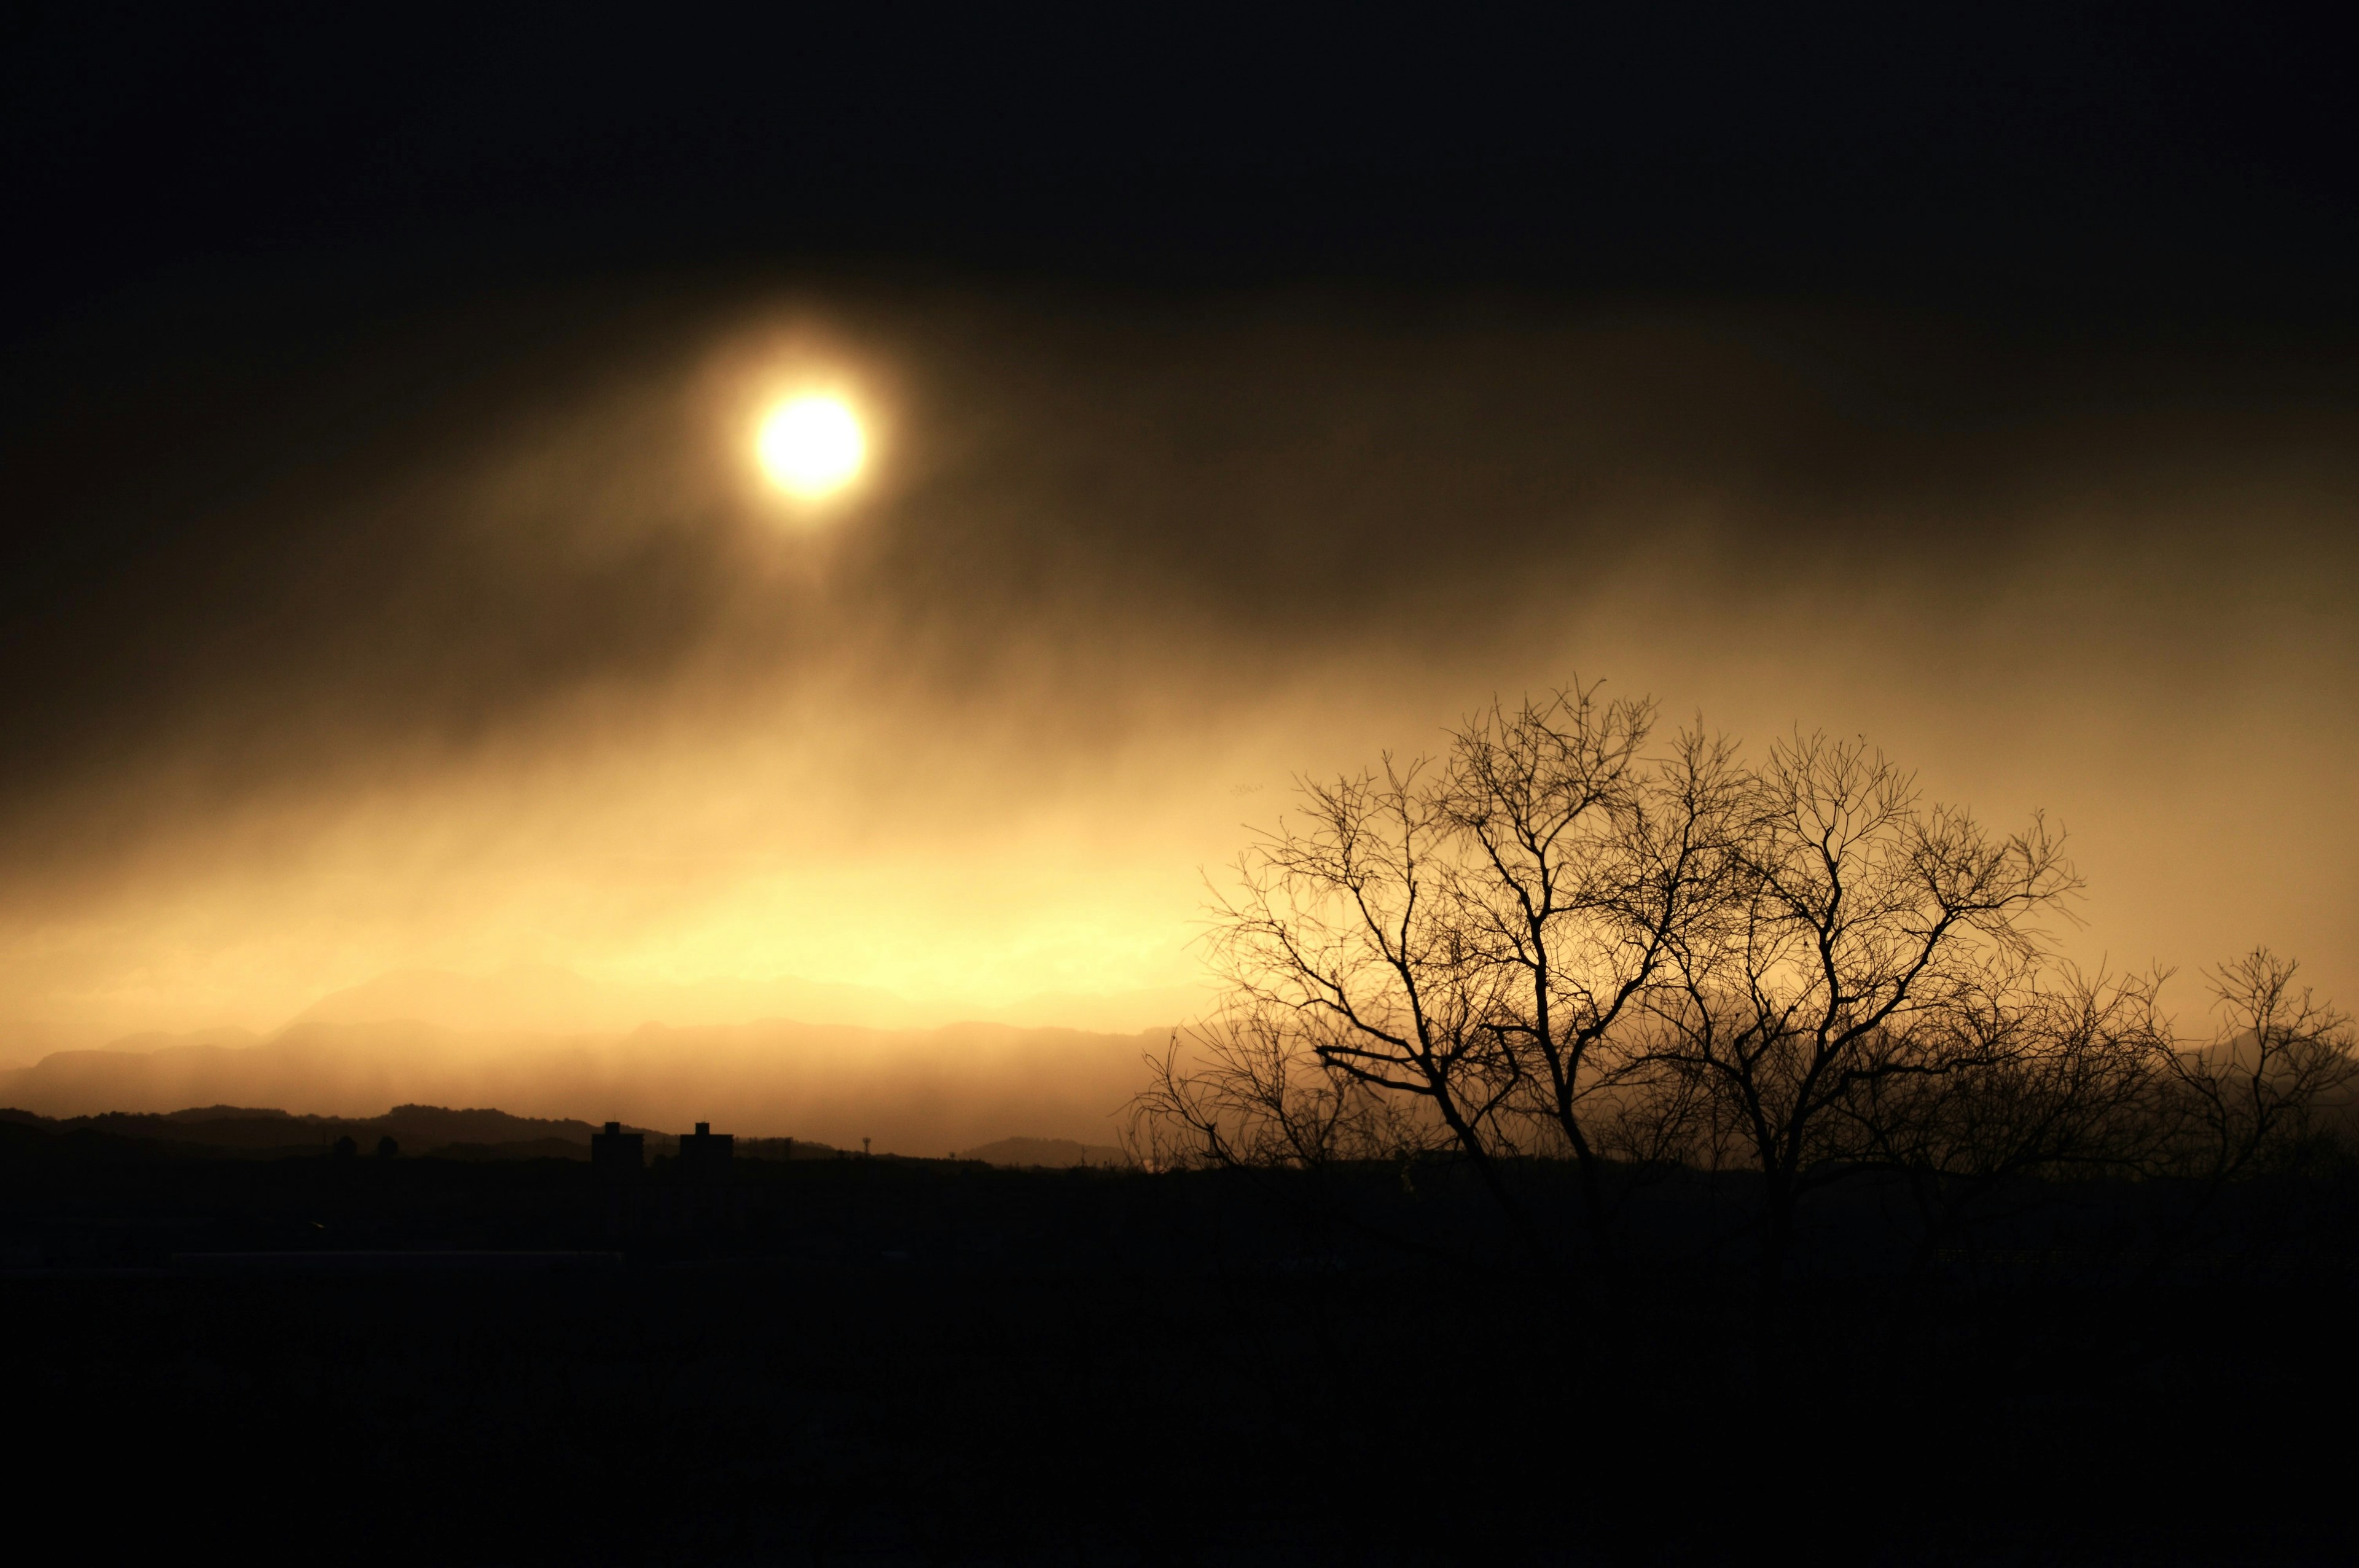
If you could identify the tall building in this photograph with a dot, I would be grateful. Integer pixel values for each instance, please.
(704, 1154)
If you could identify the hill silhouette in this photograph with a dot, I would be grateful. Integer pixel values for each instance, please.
(909, 1091)
(416, 1128)
(1047, 1153)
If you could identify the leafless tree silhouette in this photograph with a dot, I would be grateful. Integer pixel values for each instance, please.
(1445, 955)
(2279, 1062)
(1865, 940)
(2061, 1085)
(1556, 943)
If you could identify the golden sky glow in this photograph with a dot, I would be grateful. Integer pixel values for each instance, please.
(542, 685)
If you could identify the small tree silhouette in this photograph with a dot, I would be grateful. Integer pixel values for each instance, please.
(2252, 1098)
(1864, 939)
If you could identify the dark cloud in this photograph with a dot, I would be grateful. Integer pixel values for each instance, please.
(437, 526)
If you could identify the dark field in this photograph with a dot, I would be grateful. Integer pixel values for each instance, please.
(843, 1359)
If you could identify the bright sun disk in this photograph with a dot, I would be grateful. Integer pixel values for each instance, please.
(811, 446)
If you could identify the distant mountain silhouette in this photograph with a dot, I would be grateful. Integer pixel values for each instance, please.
(226, 1113)
(910, 1091)
(24, 1042)
(416, 1128)
(1057, 1153)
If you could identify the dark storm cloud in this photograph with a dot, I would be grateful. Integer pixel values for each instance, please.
(297, 496)
(257, 534)
(355, 544)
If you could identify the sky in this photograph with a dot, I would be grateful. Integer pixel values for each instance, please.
(392, 584)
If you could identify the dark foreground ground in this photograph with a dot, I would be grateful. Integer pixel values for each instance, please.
(855, 1361)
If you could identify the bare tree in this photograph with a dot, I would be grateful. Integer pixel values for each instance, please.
(2060, 1084)
(1448, 955)
(2255, 1095)
(1244, 1090)
(1556, 943)
(1869, 939)
(1592, 872)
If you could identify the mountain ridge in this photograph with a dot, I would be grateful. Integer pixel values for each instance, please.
(909, 1091)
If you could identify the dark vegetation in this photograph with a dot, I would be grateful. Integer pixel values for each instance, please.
(854, 1359)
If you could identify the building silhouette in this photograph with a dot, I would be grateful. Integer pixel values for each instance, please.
(702, 1198)
(704, 1154)
(617, 1155)
(689, 1195)
(617, 1162)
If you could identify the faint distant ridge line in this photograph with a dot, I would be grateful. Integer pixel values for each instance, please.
(480, 1134)
(469, 1133)
(1054, 1153)
(919, 1091)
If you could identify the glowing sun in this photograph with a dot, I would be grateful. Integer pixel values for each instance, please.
(812, 446)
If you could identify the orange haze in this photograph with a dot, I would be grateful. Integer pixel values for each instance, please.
(477, 649)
